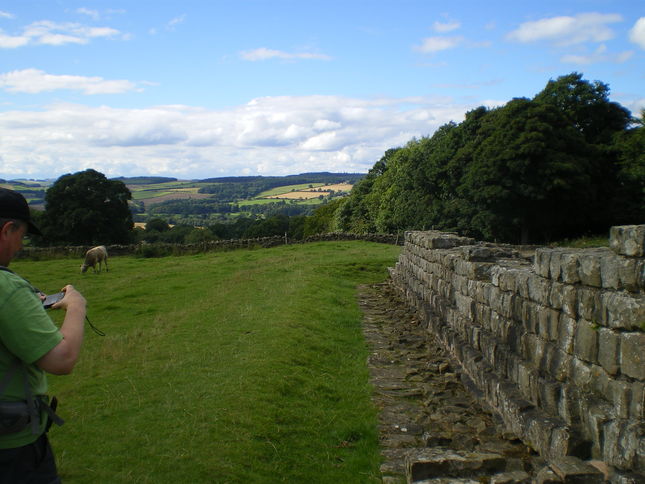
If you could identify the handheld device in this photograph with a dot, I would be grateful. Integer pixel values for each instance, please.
(52, 299)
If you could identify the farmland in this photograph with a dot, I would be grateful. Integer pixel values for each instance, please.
(200, 202)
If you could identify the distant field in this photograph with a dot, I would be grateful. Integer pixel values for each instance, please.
(305, 193)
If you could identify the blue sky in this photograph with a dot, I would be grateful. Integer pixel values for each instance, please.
(196, 89)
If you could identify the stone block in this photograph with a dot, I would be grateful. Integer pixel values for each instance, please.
(570, 300)
(555, 265)
(610, 271)
(566, 333)
(542, 261)
(556, 295)
(549, 396)
(589, 267)
(429, 463)
(620, 394)
(589, 305)
(632, 362)
(547, 476)
(581, 374)
(512, 477)
(628, 240)
(539, 289)
(548, 323)
(631, 274)
(637, 405)
(568, 407)
(624, 310)
(609, 350)
(569, 268)
(622, 441)
(575, 471)
(585, 344)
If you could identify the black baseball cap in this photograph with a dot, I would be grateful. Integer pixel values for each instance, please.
(13, 205)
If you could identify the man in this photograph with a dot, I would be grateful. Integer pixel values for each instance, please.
(30, 344)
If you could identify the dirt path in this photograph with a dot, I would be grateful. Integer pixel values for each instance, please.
(424, 407)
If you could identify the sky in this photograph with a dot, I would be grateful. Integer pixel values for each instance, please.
(194, 89)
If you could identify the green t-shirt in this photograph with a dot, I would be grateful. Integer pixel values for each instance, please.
(26, 332)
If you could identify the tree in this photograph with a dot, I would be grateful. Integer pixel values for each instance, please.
(587, 106)
(87, 208)
(530, 177)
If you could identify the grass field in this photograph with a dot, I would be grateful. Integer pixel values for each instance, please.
(232, 367)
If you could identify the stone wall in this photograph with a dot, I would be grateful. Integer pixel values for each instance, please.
(552, 339)
(160, 249)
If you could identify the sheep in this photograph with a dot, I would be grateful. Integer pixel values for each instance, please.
(95, 256)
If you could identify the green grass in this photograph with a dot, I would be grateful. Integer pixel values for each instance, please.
(584, 242)
(230, 367)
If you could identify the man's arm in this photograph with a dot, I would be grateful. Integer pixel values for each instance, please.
(60, 360)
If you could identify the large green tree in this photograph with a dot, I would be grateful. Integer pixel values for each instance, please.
(87, 208)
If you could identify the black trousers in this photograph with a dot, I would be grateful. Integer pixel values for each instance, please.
(31, 464)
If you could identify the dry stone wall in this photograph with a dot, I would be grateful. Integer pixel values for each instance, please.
(551, 338)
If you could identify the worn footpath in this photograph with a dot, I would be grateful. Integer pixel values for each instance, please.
(431, 428)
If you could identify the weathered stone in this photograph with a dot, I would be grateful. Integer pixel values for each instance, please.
(631, 273)
(632, 360)
(573, 470)
(439, 462)
(624, 311)
(539, 289)
(609, 350)
(637, 405)
(542, 261)
(586, 341)
(569, 268)
(589, 305)
(547, 476)
(628, 240)
(609, 271)
(514, 477)
(589, 267)
(566, 333)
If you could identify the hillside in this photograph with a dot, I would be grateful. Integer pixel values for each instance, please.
(215, 199)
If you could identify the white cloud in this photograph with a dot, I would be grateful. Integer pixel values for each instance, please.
(637, 33)
(176, 21)
(6, 14)
(599, 55)
(46, 32)
(263, 53)
(271, 135)
(436, 44)
(584, 27)
(94, 14)
(34, 81)
(445, 27)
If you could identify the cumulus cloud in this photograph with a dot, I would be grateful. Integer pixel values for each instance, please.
(263, 53)
(637, 33)
(567, 30)
(436, 44)
(46, 32)
(270, 135)
(33, 81)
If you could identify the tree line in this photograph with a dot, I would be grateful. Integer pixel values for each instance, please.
(565, 163)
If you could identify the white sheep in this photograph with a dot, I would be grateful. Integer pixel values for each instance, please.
(95, 256)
